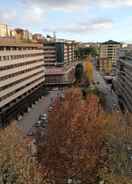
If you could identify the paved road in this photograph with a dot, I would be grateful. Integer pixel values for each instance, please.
(111, 98)
(40, 107)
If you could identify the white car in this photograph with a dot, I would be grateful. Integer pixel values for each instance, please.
(43, 116)
(19, 117)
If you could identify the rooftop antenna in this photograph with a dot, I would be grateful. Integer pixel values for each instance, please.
(54, 35)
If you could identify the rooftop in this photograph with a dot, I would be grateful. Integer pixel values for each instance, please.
(20, 43)
(111, 42)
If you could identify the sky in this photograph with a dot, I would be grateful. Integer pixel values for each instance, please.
(81, 20)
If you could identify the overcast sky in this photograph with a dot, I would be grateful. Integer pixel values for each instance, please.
(82, 20)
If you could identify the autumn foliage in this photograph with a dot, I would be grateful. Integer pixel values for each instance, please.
(83, 145)
(88, 69)
(16, 164)
(75, 143)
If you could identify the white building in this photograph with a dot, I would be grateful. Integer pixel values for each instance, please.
(21, 72)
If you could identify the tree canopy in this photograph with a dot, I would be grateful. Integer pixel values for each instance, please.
(75, 140)
(86, 51)
(79, 72)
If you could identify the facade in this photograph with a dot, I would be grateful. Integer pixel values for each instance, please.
(6, 31)
(59, 52)
(60, 60)
(21, 74)
(38, 37)
(22, 34)
(123, 83)
(108, 56)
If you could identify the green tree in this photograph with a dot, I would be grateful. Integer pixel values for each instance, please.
(86, 51)
(79, 72)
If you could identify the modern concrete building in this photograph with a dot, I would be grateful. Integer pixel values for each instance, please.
(22, 74)
(108, 56)
(60, 60)
(123, 82)
(59, 52)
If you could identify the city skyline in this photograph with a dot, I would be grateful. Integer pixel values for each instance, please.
(81, 20)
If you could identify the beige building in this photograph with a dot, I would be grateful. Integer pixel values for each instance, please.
(21, 73)
(108, 51)
(22, 34)
(37, 37)
(4, 30)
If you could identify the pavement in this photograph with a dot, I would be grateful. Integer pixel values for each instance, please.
(110, 96)
(41, 106)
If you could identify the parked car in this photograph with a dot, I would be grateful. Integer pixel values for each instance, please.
(19, 117)
(50, 108)
(37, 124)
(43, 116)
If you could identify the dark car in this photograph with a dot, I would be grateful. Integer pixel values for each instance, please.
(37, 124)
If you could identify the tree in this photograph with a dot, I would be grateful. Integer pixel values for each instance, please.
(88, 69)
(79, 72)
(74, 148)
(86, 51)
(118, 142)
(16, 164)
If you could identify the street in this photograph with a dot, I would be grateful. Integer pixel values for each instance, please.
(110, 97)
(40, 107)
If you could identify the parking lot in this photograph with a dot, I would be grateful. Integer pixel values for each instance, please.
(41, 106)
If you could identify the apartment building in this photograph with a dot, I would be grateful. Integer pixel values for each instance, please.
(60, 60)
(59, 52)
(6, 31)
(108, 56)
(123, 83)
(21, 34)
(21, 74)
(37, 37)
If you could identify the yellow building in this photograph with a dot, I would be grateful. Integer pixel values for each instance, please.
(4, 30)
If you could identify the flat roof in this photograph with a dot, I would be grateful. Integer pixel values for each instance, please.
(13, 42)
(54, 71)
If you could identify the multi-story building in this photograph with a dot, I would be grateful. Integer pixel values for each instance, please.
(22, 34)
(6, 31)
(123, 82)
(37, 37)
(59, 52)
(108, 56)
(21, 76)
(60, 59)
